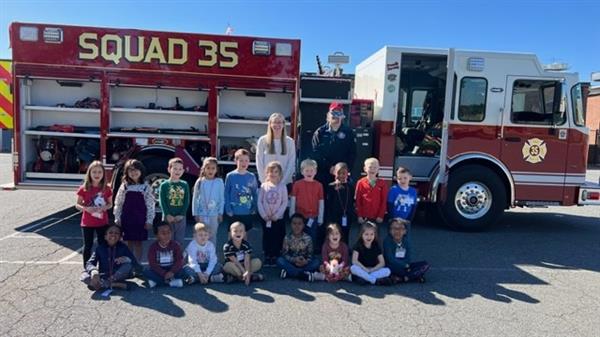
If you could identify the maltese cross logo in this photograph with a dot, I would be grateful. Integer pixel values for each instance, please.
(534, 150)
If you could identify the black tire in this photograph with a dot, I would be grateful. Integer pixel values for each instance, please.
(475, 200)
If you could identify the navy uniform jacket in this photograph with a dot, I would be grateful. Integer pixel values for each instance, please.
(331, 147)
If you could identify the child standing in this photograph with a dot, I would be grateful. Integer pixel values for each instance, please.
(307, 199)
(272, 201)
(202, 264)
(297, 258)
(336, 263)
(165, 260)
(94, 198)
(340, 201)
(397, 253)
(241, 191)
(134, 206)
(239, 264)
(371, 195)
(111, 263)
(174, 196)
(208, 198)
(402, 199)
(367, 259)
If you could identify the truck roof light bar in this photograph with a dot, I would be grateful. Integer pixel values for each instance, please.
(261, 48)
(53, 35)
(28, 33)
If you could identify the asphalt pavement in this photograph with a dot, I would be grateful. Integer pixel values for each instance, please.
(536, 273)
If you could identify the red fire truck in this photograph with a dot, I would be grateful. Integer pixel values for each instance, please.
(86, 93)
(480, 131)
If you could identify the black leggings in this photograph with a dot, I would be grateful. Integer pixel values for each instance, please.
(273, 237)
(88, 240)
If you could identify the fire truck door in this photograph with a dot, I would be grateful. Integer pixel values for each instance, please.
(534, 137)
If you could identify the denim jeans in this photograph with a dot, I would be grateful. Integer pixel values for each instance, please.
(154, 276)
(295, 271)
(190, 272)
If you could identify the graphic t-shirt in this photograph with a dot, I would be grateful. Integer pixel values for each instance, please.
(229, 249)
(96, 197)
(402, 202)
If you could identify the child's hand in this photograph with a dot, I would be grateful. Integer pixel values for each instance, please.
(118, 222)
(179, 218)
(121, 260)
(203, 278)
(169, 275)
(247, 276)
(379, 220)
(170, 218)
(230, 214)
(148, 226)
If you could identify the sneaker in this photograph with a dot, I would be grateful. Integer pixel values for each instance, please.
(189, 280)
(217, 278)
(176, 283)
(257, 277)
(151, 284)
(283, 274)
(318, 276)
(307, 276)
(349, 278)
(229, 278)
(138, 271)
(384, 281)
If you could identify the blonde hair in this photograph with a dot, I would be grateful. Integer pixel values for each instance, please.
(236, 225)
(200, 227)
(371, 160)
(308, 163)
(175, 160)
(274, 165)
(87, 181)
(271, 136)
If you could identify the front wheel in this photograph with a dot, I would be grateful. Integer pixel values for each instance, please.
(475, 200)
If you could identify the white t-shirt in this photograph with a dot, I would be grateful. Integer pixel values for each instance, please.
(201, 254)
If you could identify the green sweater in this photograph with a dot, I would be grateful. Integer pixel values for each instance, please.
(174, 198)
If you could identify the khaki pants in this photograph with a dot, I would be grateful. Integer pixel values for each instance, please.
(232, 269)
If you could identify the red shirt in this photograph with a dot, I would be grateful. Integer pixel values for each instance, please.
(307, 194)
(94, 197)
(371, 201)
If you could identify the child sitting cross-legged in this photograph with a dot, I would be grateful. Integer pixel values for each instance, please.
(397, 253)
(336, 263)
(368, 265)
(297, 258)
(239, 264)
(203, 266)
(110, 264)
(165, 259)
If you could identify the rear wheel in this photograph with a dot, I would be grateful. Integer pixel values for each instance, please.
(475, 200)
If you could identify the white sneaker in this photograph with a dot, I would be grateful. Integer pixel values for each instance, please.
(176, 283)
(318, 276)
(217, 278)
(151, 284)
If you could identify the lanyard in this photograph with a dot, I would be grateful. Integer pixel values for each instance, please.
(207, 199)
(345, 204)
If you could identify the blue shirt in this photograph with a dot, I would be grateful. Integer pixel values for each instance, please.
(402, 203)
(396, 255)
(241, 193)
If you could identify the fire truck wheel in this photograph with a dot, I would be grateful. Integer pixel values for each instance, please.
(476, 198)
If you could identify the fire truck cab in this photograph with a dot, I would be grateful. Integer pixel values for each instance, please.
(480, 131)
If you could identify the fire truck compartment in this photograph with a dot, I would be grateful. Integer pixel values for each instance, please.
(421, 168)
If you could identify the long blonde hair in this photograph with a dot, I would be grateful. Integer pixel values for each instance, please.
(87, 181)
(271, 136)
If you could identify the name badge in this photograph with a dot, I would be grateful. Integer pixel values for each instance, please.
(400, 253)
(165, 258)
(310, 222)
(240, 256)
(344, 221)
(268, 224)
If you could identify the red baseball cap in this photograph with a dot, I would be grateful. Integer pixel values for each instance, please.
(336, 106)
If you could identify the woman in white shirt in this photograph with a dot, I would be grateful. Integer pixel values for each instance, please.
(276, 146)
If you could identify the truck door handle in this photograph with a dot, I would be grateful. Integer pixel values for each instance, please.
(512, 139)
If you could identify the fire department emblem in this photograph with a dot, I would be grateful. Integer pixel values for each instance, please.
(534, 150)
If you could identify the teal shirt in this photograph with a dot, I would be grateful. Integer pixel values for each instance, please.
(174, 198)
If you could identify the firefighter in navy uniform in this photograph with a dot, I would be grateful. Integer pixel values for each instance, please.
(332, 143)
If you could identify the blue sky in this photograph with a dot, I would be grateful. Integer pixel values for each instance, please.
(557, 31)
